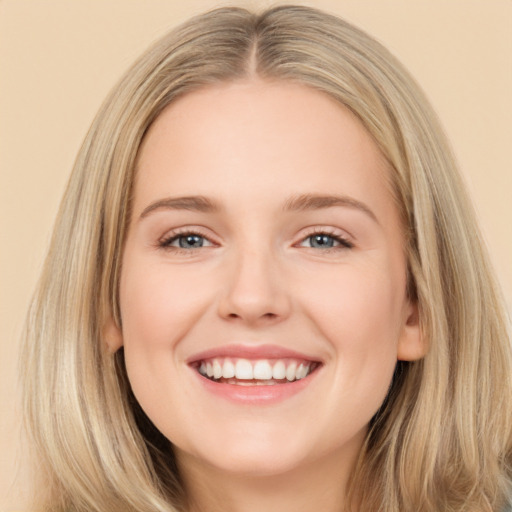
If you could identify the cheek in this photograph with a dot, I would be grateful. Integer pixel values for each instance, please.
(360, 313)
(159, 306)
(160, 303)
(361, 308)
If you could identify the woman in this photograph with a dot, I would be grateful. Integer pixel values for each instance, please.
(266, 289)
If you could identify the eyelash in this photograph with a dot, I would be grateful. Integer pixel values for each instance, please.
(165, 242)
(344, 243)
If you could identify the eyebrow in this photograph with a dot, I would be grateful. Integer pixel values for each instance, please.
(301, 202)
(194, 203)
(317, 202)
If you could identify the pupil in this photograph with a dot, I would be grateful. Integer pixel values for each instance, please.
(190, 241)
(322, 241)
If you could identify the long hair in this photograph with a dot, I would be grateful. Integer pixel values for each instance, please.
(443, 438)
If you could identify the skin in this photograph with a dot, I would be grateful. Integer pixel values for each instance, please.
(258, 279)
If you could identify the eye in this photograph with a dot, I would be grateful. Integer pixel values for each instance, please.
(325, 241)
(185, 241)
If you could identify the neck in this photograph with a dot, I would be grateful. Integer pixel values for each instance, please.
(319, 485)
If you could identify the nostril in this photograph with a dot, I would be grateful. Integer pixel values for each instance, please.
(269, 316)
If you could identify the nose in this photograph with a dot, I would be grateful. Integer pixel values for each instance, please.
(254, 291)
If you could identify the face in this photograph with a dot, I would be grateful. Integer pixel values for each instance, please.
(263, 280)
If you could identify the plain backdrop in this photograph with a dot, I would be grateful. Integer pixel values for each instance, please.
(59, 58)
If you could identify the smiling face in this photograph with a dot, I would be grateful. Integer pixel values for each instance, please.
(263, 287)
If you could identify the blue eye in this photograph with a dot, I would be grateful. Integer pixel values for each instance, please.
(185, 241)
(190, 241)
(326, 241)
(321, 241)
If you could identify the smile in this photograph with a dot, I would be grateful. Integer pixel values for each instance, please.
(250, 372)
(254, 374)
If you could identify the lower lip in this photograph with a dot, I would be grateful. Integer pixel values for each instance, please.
(256, 395)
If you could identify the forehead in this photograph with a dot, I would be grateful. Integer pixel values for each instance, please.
(240, 137)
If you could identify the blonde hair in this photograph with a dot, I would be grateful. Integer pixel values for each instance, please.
(443, 438)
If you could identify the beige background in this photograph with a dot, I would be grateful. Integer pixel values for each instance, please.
(58, 59)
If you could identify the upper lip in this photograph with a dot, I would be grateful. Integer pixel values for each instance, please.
(250, 352)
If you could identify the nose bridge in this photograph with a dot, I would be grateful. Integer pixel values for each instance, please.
(254, 289)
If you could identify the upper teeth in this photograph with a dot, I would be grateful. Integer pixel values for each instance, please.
(261, 369)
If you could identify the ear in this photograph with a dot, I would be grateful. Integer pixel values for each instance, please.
(112, 335)
(412, 344)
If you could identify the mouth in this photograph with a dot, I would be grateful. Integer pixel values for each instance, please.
(252, 375)
(254, 372)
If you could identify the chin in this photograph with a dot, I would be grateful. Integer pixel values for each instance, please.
(248, 455)
(259, 464)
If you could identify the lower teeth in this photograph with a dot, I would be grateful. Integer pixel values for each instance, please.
(237, 382)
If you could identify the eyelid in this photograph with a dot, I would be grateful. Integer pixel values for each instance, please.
(164, 241)
(346, 241)
(342, 237)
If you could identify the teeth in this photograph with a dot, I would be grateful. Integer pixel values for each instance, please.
(264, 372)
(290, 371)
(228, 370)
(217, 369)
(302, 371)
(243, 370)
(279, 370)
